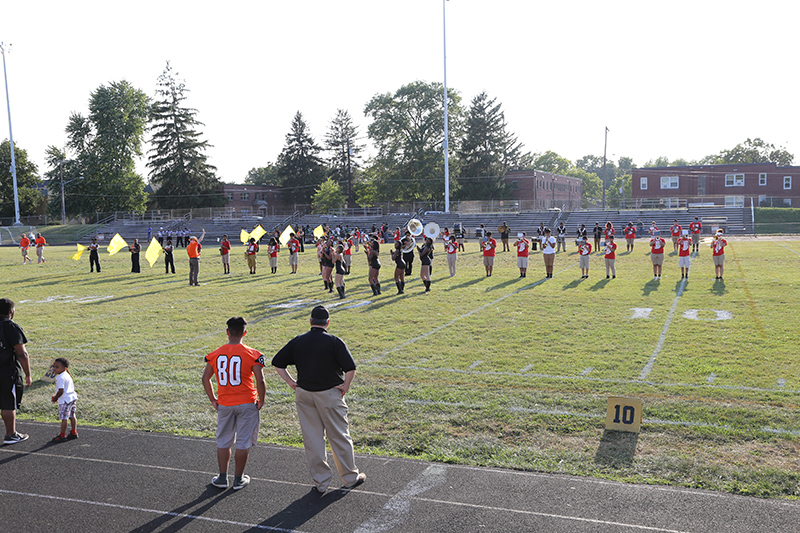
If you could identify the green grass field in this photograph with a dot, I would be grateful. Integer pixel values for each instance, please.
(498, 371)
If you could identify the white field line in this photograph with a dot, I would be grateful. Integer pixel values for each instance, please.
(456, 319)
(652, 361)
(784, 246)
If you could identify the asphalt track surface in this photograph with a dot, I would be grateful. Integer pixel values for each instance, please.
(119, 480)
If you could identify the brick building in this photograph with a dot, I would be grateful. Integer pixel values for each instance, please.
(762, 184)
(257, 200)
(534, 189)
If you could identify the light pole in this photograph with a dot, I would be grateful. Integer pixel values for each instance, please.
(446, 144)
(11, 139)
(605, 148)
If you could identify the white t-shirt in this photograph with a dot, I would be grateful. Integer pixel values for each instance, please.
(548, 249)
(64, 381)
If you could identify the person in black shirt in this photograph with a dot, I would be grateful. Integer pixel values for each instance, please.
(598, 234)
(135, 248)
(325, 371)
(14, 363)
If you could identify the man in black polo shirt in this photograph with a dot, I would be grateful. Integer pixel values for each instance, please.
(13, 363)
(325, 370)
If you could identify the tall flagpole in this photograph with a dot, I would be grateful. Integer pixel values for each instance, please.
(11, 141)
(446, 143)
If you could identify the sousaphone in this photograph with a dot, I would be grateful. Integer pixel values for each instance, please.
(431, 230)
(415, 227)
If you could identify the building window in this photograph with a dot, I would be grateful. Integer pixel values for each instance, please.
(734, 180)
(669, 182)
(787, 202)
(734, 201)
(229, 196)
(643, 184)
(762, 178)
(787, 182)
(244, 196)
(515, 185)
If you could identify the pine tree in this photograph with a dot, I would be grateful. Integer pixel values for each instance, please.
(299, 165)
(345, 151)
(177, 162)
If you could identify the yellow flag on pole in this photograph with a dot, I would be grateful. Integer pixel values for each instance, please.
(153, 252)
(258, 233)
(77, 255)
(286, 235)
(318, 232)
(116, 244)
(244, 236)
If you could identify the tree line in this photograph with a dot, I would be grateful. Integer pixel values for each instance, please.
(406, 130)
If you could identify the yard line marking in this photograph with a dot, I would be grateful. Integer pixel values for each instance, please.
(146, 510)
(652, 361)
(711, 378)
(395, 511)
(526, 369)
(476, 363)
(781, 383)
(793, 251)
(586, 371)
(465, 315)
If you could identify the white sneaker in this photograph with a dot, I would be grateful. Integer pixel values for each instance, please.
(15, 438)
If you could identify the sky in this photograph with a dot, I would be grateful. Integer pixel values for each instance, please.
(683, 79)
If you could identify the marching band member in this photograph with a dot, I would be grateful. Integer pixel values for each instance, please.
(675, 233)
(585, 251)
(327, 264)
(272, 249)
(294, 248)
(408, 256)
(523, 249)
(657, 254)
(597, 232)
(608, 231)
(425, 259)
(504, 231)
(488, 247)
(372, 251)
(548, 252)
(348, 253)
(718, 254)
(695, 228)
(630, 236)
(561, 237)
(340, 270)
(451, 246)
(610, 257)
(399, 267)
(225, 254)
(684, 249)
(251, 254)
(94, 257)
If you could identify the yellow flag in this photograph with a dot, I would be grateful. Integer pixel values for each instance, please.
(116, 244)
(258, 233)
(285, 236)
(77, 255)
(318, 232)
(153, 252)
(244, 236)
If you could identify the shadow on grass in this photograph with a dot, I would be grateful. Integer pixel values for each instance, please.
(512, 281)
(573, 284)
(300, 511)
(186, 514)
(466, 283)
(651, 286)
(617, 448)
(718, 288)
(600, 285)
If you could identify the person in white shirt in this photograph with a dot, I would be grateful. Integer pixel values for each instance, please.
(66, 398)
(548, 252)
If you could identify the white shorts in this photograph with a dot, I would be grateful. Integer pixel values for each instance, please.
(522, 261)
(685, 261)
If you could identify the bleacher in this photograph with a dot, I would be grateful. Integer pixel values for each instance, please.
(731, 220)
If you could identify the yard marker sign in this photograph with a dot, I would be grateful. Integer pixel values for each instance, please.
(624, 414)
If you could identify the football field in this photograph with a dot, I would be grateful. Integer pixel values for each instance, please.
(499, 371)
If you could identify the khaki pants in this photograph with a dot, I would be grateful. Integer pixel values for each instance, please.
(451, 263)
(324, 414)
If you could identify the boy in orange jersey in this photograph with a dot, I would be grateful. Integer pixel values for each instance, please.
(24, 244)
(237, 402)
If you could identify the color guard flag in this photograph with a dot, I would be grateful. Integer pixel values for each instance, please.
(153, 252)
(285, 236)
(116, 244)
(77, 255)
(258, 233)
(318, 232)
(244, 236)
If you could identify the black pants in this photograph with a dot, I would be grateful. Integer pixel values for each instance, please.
(408, 257)
(169, 262)
(94, 260)
(135, 263)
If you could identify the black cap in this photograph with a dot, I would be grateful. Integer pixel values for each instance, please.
(320, 313)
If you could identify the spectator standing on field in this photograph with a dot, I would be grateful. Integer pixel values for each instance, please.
(325, 371)
(40, 244)
(66, 398)
(240, 395)
(14, 364)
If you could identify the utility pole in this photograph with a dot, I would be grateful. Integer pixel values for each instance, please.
(11, 139)
(350, 200)
(605, 148)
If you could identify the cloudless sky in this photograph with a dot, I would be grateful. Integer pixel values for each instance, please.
(682, 79)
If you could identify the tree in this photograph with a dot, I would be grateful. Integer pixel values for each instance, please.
(487, 151)
(178, 166)
(755, 151)
(28, 194)
(328, 196)
(341, 142)
(299, 165)
(106, 144)
(267, 175)
(408, 130)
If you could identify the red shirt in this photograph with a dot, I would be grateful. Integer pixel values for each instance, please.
(657, 245)
(226, 246)
(523, 247)
(348, 244)
(233, 367)
(609, 250)
(684, 246)
(273, 250)
(294, 246)
(252, 248)
(451, 247)
(718, 246)
(695, 227)
(630, 232)
(675, 230)
(608, 231)
(488, 247)
(585, 249)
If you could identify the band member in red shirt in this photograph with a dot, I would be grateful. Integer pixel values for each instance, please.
(273, 248)
(225, 254)
(718, 254)
(696, 228)
(585, 251)
(488, 246)
(657, 255)
(610, 257)
(675, 233)
(523, 250)
(630, 236)
(294, 248)
(684, 251)
(451, 247)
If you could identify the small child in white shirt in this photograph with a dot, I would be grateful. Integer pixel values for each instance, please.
(66, 398)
